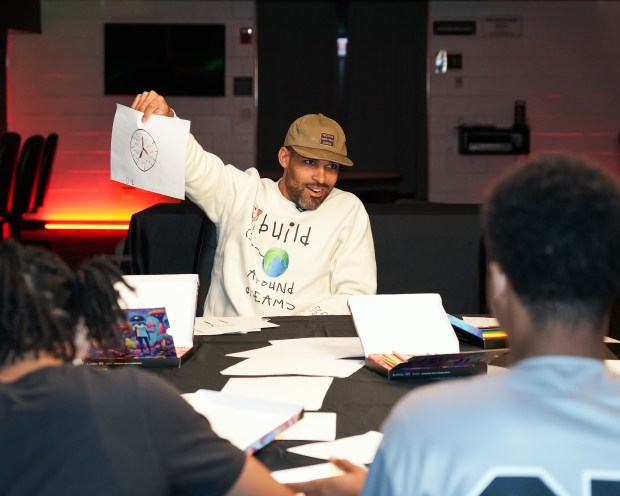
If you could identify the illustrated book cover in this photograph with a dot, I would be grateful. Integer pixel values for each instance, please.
(160, 322)
(143, 340)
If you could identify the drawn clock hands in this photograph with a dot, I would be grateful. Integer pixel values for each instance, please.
(143, 149)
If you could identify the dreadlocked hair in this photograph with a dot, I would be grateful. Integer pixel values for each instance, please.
(42, 301)
(97, 299)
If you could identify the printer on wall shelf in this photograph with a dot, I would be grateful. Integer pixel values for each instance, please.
(491, 140)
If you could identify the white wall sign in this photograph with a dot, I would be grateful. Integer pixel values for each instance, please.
(511, 27)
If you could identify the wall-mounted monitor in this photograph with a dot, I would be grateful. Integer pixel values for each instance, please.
(172, 59)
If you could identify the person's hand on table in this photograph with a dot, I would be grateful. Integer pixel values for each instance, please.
(349, 484)
(151, 103)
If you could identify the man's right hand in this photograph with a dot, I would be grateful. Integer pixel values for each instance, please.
(150, 103)
(350, 483)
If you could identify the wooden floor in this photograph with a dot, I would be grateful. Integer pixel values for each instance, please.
(75, 246)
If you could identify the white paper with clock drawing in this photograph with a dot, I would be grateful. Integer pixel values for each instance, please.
(149, 155)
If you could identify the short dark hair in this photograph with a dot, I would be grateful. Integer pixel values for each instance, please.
(292, 151)
(42, 301)
(553, 225)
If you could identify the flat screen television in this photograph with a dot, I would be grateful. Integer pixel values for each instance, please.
(172, 59)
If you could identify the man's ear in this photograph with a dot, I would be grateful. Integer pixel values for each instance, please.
(284, 156)
(498, 287)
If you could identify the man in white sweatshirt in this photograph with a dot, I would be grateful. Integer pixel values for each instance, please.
(295, 246)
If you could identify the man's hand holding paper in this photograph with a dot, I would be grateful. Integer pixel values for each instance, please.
(148, 150)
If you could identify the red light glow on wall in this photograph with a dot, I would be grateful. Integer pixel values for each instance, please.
(85, 226)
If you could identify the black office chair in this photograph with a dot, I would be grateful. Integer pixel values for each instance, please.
(9, 151)
(204, 261)
(27, 172)
(171, 238)
(47, 161)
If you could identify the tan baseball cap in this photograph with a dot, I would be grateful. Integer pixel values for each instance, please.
(319, 137)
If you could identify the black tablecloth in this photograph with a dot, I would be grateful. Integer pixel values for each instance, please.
(361, 401)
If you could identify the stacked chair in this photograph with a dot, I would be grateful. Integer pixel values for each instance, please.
(47, 160)
(24, 177)
(9, 153)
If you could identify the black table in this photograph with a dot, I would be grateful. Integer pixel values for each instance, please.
(361, 401)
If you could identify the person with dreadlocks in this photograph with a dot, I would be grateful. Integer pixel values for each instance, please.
(67, 429)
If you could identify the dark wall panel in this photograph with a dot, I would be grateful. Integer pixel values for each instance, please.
(24, 15)
(296, 68)
(385, 90)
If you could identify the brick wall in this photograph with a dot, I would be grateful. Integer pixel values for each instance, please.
(564, 64)
(55, 84)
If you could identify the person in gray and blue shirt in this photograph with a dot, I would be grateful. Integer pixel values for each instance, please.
(551, 423)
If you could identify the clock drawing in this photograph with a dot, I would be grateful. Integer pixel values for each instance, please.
(143, 149)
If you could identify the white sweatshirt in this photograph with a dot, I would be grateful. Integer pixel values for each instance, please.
(272, 259)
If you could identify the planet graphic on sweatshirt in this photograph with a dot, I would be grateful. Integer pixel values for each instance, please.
(275, 262)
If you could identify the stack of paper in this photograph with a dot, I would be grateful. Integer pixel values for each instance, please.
(358, 449)
(306, 391)
(248, 423)
(415, 324)
(326, 357)
(213, 326)
(307, 473)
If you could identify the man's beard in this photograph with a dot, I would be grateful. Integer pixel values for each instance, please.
(300, 196)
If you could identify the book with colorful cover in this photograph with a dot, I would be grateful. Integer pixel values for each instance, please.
(398, 366)
(143, 340)
(484, 332)
(172, 300)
